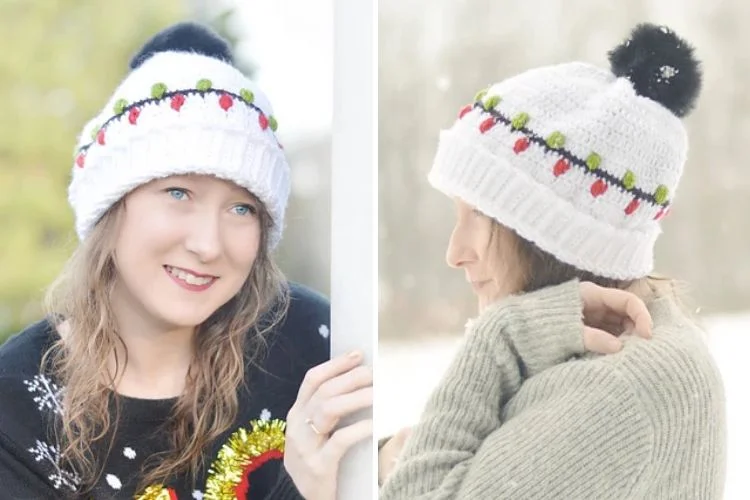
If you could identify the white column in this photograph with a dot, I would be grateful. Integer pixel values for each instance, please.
(353, 225)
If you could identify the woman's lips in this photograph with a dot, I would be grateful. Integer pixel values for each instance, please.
(479, 284)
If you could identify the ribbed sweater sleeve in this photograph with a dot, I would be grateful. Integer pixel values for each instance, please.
(589, 439)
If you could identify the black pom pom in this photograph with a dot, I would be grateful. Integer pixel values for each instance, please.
(185, 37)
(661, 66)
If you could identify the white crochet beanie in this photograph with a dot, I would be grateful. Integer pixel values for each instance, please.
(183, 109)
(581, 161)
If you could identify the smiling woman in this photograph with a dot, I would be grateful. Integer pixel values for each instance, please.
(176, 361)
(165, 221)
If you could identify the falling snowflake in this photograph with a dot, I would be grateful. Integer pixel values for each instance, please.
(324, 331)
(198, 495)
(666, 73)
(44, 452)
(48, 394)
(114, 482)
(129, 452)
(265, 415)
(443, 83)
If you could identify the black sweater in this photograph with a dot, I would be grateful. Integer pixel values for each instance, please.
(29, 458)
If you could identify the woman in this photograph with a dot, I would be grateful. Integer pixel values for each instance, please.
(174, 351)
(560, 176)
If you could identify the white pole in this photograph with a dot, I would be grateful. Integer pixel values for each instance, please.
(353, 228)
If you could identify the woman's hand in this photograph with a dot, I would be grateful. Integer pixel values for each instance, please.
(314, 446)
(390, 452)
(609, 312)
(549, 326)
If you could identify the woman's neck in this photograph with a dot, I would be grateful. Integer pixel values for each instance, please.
(154, 360)
(155, 365)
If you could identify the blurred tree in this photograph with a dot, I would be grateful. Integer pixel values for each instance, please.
(61, 60)
(223, 24)
(222, 19)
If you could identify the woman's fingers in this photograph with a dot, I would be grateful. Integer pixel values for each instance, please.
(389, 453)
(347, 382)
(600, 342)
(617, 325)
(632, 307)
(600, 302)
(327, 415)
(628, 325)
(314, 447)
(340, 396)
(346, 437)
(318, 375)
(329, 392)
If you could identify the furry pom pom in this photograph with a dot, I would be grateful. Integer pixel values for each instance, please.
(185, 37)
(661, 66)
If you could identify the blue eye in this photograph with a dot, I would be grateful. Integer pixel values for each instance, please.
(245, 210)
(177, 193)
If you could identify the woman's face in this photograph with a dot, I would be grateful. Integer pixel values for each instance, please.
(186, 246)
(491, 263)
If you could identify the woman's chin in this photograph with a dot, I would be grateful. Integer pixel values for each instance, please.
(181, 318)
(490, 296)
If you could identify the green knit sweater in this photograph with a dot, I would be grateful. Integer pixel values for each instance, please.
(524, 414)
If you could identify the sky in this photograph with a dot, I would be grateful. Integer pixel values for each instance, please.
(291, 43)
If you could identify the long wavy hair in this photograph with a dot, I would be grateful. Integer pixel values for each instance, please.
(224, 344)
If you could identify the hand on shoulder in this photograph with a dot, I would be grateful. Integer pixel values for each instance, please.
(548, 326)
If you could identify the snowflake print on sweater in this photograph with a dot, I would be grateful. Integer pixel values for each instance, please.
(49, 454)
(48, 394)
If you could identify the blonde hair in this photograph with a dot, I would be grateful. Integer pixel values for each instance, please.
(223, 343)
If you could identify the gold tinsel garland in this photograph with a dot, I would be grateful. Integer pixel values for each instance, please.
(233, 460)
(158, 492)
(237, 455)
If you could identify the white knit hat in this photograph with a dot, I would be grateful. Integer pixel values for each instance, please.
(581, 161)
(183, 109)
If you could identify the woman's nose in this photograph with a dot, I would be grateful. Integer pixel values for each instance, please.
(459, 252)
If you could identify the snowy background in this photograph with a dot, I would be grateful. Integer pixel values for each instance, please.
(434, 56)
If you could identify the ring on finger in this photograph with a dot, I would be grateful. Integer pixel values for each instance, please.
(310, 422)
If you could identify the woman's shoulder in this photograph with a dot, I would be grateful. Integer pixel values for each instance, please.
(27, 396)
(675, 371)
(676, 386)
(303, 335)
(308, 317)
(300, 341)
(679, 349)
(307, 303)
(21, 354)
